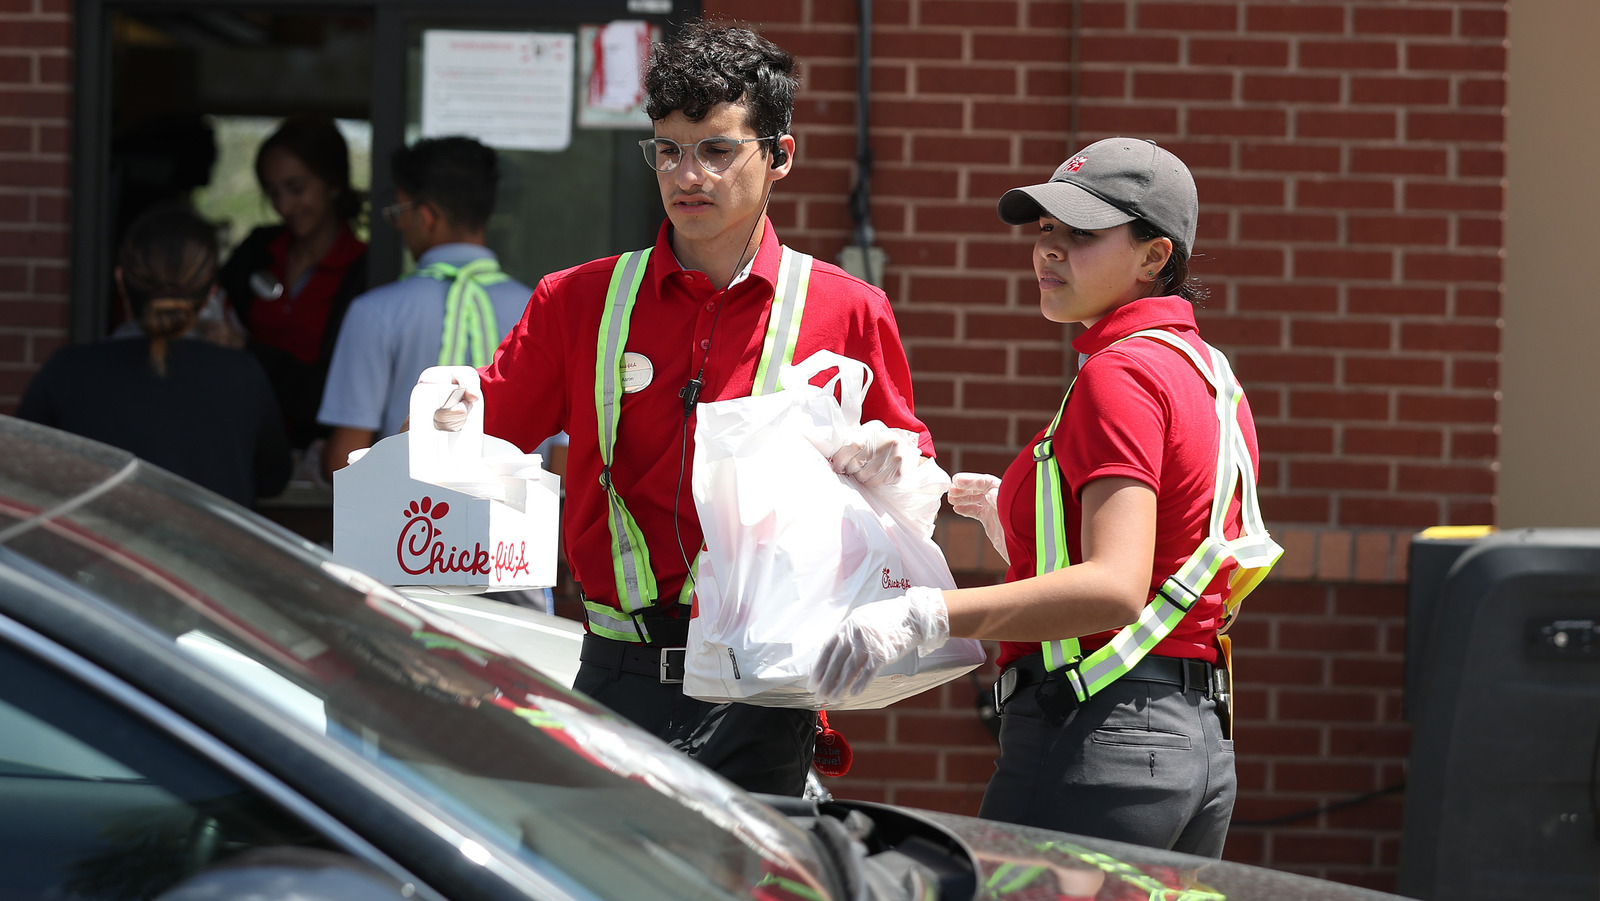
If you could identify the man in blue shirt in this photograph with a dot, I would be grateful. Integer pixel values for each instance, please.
(453, 310)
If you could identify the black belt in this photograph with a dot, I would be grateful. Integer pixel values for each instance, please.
(1185, 672)
(662, 663)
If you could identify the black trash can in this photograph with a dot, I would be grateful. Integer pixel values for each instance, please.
(1502, 794)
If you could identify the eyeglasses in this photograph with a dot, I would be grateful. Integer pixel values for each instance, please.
(392, 211)
(713, 154)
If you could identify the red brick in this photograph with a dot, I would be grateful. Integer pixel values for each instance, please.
(1292, 368)
(1346, 56)
(1297, 18)
(1325, 706)
(1356, 126)
(1123, 119)
(1184, 85)
(35, 33)
(1478, 374)
(974, 13)
(1400, 90)
(1399, 230)
(1421, 372)
(1039, 82)
(950, 148)
(966, 80)
(1290, 88)
(1141, 49)
(1293, 439)
(1439, 336)
(1244, 331)
(1482, 92)
(960, 290)
(1482, 127)
(1009, 395)
(1257, 157)
(1447, 479)
(1459, 267)
(1296, 508)
(1344, 193)
(1398, 301)
(1346, 264)
(1476, 232)
(1455, 57)
(1480, 163)
(1242, 261)
(1187, 17)
(1288, 228)
(34, 104)
(1047, 14)
(1022, 47)
(1030, 115)
(1011, 326)
(919, 45)
(55, 69)
(922, 324)
(1310, 404)
(1446, 408)
(1393, 442)
(1402, 21)
(1238, 52)
(1321, 847)
(916, 182)
(1337, 476)
(1237, 122)
(1483, 23)
(1289, 297)
(1471, 302)
(1240, 191)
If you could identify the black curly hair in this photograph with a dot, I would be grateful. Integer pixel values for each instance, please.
(705, 64)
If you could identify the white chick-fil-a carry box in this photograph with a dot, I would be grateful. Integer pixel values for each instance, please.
(457, 512)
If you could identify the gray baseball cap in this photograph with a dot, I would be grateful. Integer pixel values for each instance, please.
(1111, 182)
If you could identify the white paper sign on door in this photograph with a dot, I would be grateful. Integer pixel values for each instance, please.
(511, 90)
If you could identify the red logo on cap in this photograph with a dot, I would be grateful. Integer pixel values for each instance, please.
(1075, 163)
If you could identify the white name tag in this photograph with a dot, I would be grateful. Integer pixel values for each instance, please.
(637, 372)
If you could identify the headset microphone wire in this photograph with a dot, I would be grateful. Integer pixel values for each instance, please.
(691, 390)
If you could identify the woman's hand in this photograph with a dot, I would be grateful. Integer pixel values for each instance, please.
(975, 496)
(875, 635)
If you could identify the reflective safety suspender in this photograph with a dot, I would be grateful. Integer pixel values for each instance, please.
(1010, 877)
(1254, 551)
(630, 558)
(470, 331)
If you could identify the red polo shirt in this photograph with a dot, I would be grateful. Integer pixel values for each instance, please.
(541, 381)
(1138, 410)
(294, 322)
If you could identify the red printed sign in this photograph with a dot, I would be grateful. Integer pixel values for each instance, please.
(421, 548)
(889, 582)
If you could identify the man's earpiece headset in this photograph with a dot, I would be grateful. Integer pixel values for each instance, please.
(691, 390)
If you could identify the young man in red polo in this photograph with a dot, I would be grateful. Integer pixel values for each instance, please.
(618, 351)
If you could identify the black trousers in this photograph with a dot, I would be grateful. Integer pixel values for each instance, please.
(759, 749)
(1140, 762)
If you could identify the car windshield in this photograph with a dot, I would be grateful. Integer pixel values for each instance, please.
(547, 779)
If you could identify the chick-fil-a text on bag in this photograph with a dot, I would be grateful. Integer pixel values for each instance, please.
(457, 512)
(791, 547)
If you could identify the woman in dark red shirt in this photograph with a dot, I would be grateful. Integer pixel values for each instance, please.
(1122, 543)
(291, 283)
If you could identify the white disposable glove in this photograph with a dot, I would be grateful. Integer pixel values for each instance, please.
(874, 636)
(452, 413)
(872, 456)
(976, 495)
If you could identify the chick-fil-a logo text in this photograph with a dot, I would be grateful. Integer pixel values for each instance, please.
(510, 560)
(421, 546)
(895, 583)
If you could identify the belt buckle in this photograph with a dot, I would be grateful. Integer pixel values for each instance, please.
(672, 662)
(1005, 687)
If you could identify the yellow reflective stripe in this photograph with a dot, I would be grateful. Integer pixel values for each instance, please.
(783, 321)
(1009, 877)
(630, 558)
(470, 332)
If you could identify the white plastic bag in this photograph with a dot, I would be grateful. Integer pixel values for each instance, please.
(791, 547)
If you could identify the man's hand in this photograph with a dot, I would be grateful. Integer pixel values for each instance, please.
(452, 413)
(872, 456)
(875, 635)
(975, 496)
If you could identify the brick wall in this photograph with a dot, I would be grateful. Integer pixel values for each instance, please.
(1349, 160)
(35, 177)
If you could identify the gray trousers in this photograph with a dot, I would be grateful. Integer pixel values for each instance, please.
(1141, 762)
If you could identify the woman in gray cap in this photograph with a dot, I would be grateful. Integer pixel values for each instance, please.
(1130, 526)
